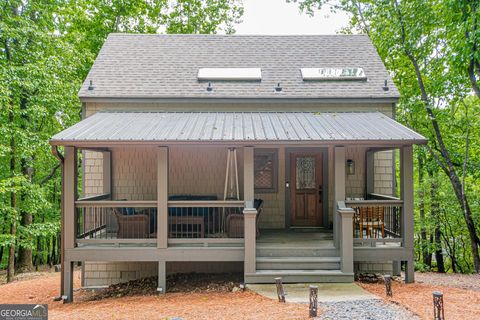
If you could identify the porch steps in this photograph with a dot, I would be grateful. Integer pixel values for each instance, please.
(297, 251)
(295, 263)
(298, 276)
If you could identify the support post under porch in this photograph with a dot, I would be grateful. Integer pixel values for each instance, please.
(68, 223)
(406, 180)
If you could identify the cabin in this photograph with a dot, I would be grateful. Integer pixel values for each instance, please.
(274, 156)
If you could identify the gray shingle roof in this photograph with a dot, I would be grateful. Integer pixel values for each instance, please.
(166, 66)
(144, 127)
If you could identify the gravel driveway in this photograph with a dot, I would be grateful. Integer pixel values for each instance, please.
(374, 309)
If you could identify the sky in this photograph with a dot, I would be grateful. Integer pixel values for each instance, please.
(279, 17)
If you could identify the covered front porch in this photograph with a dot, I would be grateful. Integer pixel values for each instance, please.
(168, 199)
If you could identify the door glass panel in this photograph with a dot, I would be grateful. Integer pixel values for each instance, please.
(305, 173)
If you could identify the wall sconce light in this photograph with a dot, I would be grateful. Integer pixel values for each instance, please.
(350, 166)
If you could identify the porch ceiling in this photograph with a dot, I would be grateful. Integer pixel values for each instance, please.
(233, 127)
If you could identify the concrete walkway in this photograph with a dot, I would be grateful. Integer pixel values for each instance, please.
(327, 292)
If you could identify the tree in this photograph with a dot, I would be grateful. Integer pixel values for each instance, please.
(46, 50)
(432, 64)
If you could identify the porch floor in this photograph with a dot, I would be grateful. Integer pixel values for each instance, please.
(295, 238)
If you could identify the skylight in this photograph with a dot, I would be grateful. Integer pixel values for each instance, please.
(326, 74)
(231, 74)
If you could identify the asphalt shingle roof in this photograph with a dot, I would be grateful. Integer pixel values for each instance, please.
(166, 66)
(148, 127)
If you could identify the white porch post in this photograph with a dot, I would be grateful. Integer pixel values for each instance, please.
(249, 212)
(339, 189)
(162, 212)
(406, 180)
(69, 197)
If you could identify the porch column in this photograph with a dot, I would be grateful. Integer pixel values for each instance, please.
(162, 212)
(107, 172)
(249, 212)
(406, 180)
(346, 251)
(68, 223)
(339, 189)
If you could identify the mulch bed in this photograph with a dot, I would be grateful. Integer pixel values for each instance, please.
(219, 304)
(417, 297)
(185, 283)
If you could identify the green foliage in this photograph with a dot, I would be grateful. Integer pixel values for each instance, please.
(442, 36)
(46, 50)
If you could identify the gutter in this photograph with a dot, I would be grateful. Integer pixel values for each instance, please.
(56, 153)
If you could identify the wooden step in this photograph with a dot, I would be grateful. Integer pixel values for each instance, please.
(299, 276)
(294, 251)
(295, 263)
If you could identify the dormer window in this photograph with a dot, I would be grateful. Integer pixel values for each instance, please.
(229, 74)
(329, 74)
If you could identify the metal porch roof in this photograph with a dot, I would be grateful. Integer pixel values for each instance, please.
(230, 127)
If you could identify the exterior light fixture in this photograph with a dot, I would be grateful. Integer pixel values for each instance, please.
(350, 167)
(209, 87)
(278, 88)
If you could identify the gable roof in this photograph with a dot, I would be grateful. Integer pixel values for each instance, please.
(237, 127)
(153, 66)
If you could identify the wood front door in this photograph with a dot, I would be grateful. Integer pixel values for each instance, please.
(306, 188)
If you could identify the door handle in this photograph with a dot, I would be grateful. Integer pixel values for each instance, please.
(320, 194)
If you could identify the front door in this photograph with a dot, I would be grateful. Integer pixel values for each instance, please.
(306, 178)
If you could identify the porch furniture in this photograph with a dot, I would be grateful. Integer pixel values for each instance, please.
(209, 215)
(371, 219)
(132, 226)
(235, 221)
(186, 227)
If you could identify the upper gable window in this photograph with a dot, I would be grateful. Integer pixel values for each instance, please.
(325, 74)
(232, 74)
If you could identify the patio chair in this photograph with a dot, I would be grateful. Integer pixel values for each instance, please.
(372, 219)
(235, 221)
(136, 226)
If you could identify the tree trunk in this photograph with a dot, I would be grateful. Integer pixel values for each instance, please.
(426, 256)
(435, 207)
(447, 165)
(13, 205)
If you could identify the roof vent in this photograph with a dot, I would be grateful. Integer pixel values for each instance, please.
(90, 86)
(230, 74)
(329, 74)
(385, 86)
(209, 87)
(278, 88)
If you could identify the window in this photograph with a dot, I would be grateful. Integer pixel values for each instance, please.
(326, 74)
(265, 171)
(232, 74)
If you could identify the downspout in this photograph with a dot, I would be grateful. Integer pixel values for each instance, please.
(56, 153)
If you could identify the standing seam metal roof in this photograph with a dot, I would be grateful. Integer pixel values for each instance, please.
(236, 127)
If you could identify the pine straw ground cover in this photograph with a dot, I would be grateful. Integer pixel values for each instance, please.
(461, 295)
(192, 298)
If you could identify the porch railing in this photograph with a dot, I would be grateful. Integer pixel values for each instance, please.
(205, 223)
(115, 221)
(377, 222)
(205, 219)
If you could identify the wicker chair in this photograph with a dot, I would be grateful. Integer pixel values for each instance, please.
(235, 221)
(132, 226)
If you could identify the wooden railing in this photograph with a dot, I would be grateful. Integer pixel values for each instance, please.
(205, 223)
(377, 221)
(205, 219)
